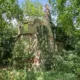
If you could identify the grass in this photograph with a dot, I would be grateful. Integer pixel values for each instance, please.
(22, 75)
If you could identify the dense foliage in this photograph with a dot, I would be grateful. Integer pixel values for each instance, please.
(9, 11)
(31, 8)
(67, 32)
(63, 64)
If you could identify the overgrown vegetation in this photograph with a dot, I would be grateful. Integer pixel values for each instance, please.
(17, 54)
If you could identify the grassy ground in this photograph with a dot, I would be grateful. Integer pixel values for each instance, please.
(7, 74)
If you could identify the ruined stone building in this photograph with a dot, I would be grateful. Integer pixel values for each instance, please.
(39, 36)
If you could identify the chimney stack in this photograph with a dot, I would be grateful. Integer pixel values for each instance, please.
(47, 13)
(48, 19)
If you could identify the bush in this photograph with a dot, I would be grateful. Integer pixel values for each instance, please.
(13, 74)
(54, 75)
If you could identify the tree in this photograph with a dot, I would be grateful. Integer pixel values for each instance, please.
(9, 10)
(68, 20)
(32, 8)
(67, 12)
